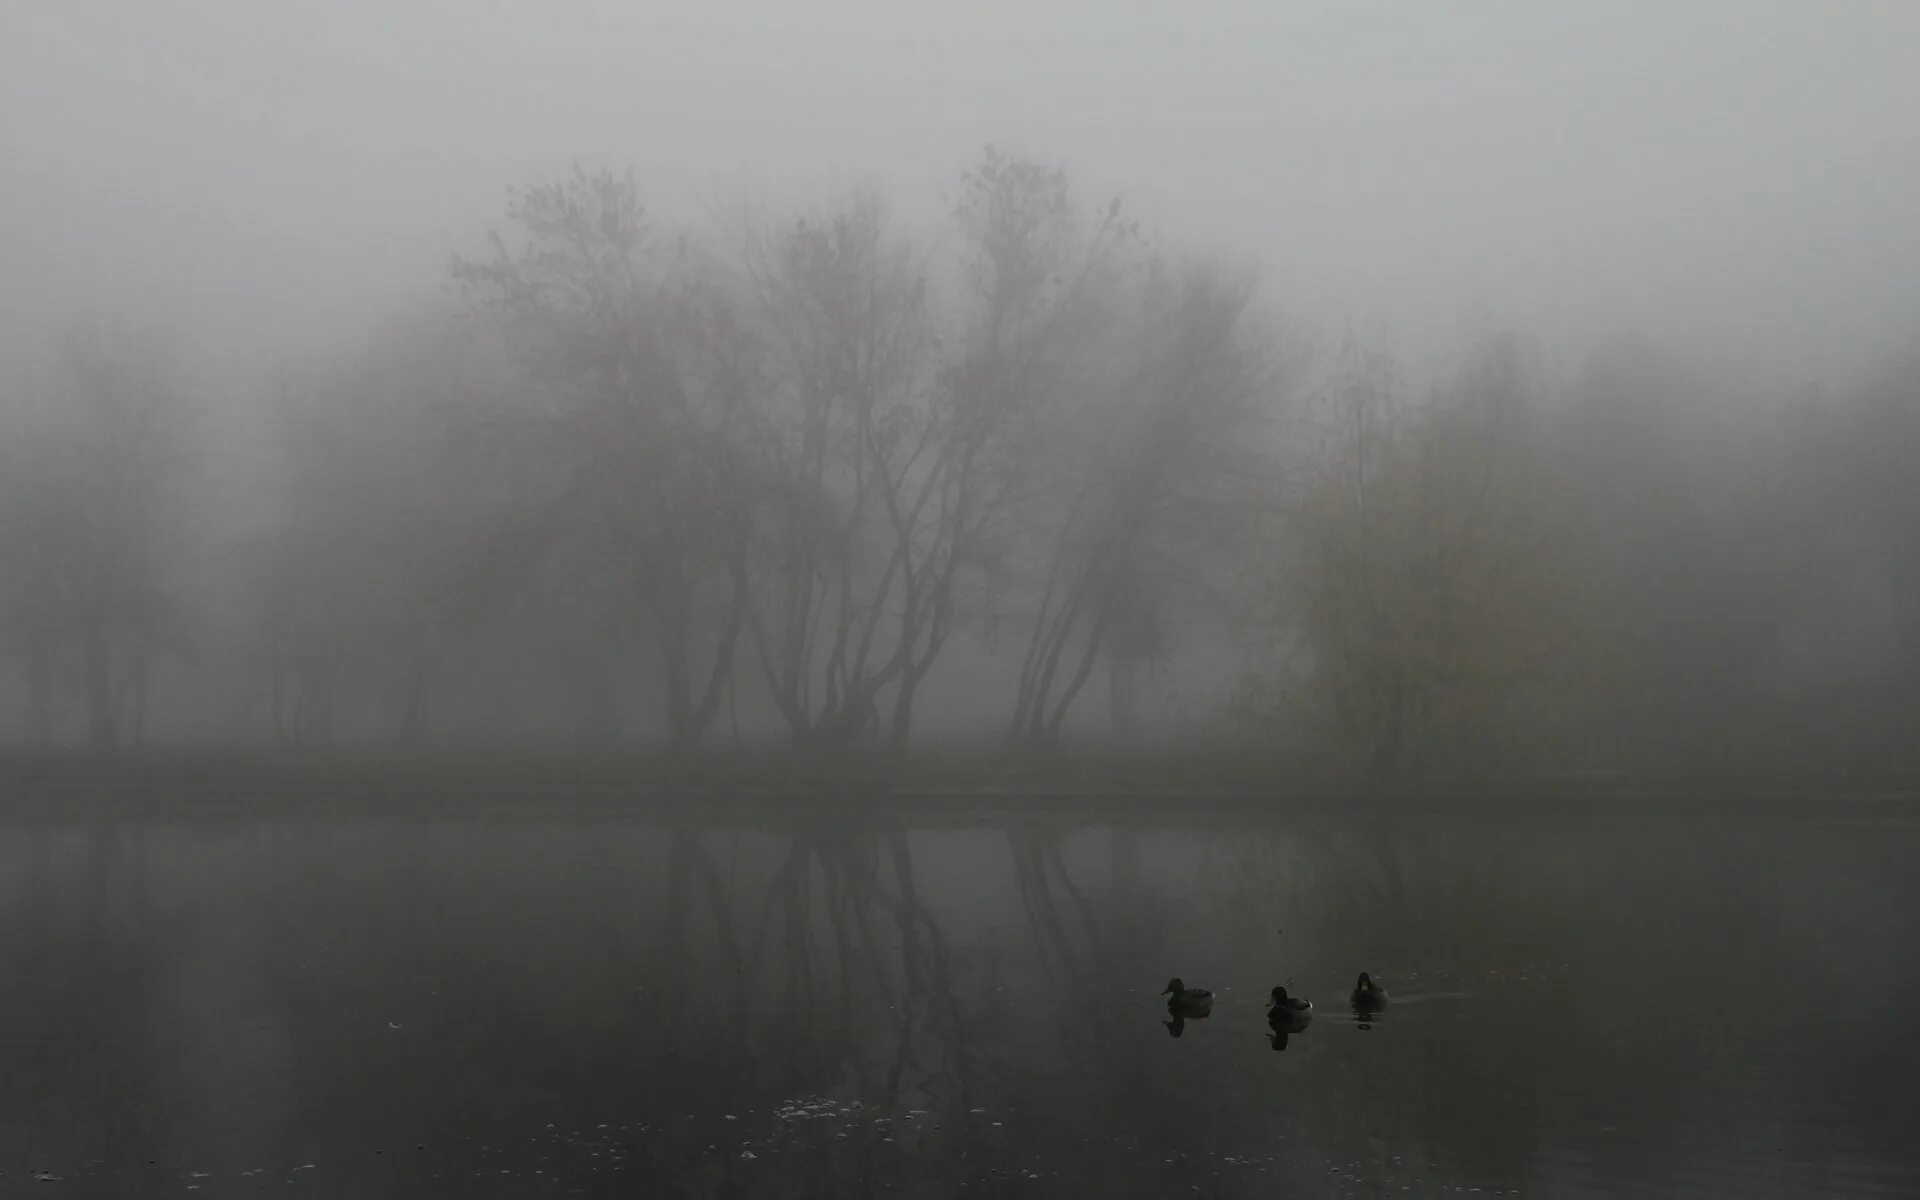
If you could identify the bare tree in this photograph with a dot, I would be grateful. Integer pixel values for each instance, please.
(391, 543)
(1161, 468)
(844, 570)
(906, 447)
(636, 437)
(97, 521)
(1882, 434)
(33, 567)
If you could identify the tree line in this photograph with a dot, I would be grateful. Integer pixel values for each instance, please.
(646, 483)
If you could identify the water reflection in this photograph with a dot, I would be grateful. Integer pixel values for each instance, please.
(856, 1007)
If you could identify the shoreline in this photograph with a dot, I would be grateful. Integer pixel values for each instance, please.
(797, 786)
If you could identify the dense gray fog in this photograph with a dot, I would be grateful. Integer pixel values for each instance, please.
(1365, 387)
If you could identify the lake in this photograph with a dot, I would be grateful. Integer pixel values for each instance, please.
(532, 1005)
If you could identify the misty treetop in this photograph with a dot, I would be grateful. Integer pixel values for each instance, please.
(1028, 477)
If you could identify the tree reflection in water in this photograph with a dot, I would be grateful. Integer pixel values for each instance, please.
(805, 1006)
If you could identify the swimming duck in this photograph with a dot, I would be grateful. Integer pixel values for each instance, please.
(1288, 1010)
(1367, 993)
(1183, 1001)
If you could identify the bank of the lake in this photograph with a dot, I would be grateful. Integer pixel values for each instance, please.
(1190, 784)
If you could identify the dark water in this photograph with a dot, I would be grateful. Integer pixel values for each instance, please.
(522, 1007)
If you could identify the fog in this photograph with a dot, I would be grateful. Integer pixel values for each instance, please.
(1593, 322)
(601, 593)
(1734, 175)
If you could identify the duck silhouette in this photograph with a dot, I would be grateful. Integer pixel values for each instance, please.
(1288, 1012)
(1183, 1001)
(1368, 995)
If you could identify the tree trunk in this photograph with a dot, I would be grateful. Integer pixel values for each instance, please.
(1095, 639)
(901, 727)
(137, 698)
(37, 674)
(419, 702)
(678, 707)
(103, 733)
(1123, 678)
(599, 721)
(277, 702)
(705, 708)
(312, 721)
(673, 632)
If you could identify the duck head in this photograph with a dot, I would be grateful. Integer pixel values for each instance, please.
(1174, 987)
(1365, 984)
(1279, 996)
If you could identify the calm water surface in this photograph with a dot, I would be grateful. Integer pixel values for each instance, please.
(526, 1007)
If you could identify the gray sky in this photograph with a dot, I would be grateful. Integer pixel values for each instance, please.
(1740, 177)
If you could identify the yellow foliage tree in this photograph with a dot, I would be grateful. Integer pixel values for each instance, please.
(1428, 597)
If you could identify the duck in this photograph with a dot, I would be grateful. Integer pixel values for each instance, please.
(1183, 1001)
(1367, 993)
(1287, 1010)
